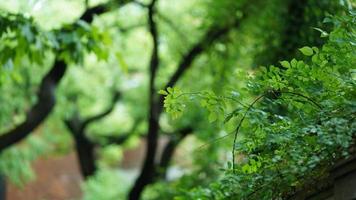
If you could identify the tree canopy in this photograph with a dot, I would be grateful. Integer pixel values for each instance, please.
(234, 99)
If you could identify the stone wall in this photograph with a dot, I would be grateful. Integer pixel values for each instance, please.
(341, 185)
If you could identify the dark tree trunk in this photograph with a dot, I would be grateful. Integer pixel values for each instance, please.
(86, 155)
(295, 21)
(2, 187)
(148, 170)
(290, 38)
(84, 147)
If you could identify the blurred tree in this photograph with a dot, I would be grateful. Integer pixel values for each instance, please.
(123, 52)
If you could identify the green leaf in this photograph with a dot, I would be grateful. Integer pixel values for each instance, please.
(322, 32)
(285, 64)
(122, 62)
(306, 51)
(315, 49)
(294, 62)
(163, 92)
(9, 64)
(170, 90)
(84, 25)
(26, 31)
(212, 117)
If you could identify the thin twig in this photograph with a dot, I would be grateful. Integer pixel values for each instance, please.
(305, 97)
(213, 141)
(239, 125)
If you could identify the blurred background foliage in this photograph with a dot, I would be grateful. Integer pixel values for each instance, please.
(112, 54)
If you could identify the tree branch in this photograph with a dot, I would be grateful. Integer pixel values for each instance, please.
(148, 168)
(170, 148)
(115, 98)
(143, 5)
(131, 27)
(173, 26)
(46, 96)
(38, 113)
(122, 138)
(148, 171)
(89, 14)
(212, 35)
(154, 62)
(85, 148)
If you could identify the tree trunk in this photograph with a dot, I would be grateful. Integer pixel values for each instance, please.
(86, 156)
(2, 187)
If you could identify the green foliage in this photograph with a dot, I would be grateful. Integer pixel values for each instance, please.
(100, 186)
(19, 38)
(300, 124)
(290, 121)
(175, 101)
(26, 53)
(16, 162)
(171, 104)
(307, 51)
(75, 40)
(110, 155)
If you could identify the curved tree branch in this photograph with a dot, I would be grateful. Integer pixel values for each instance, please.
(213, 34)
(46, 96)
(38, 113)
(89, 14)
(85, 148)
(122, 138)
(169, 150)
(115, 98)
(173, 26)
